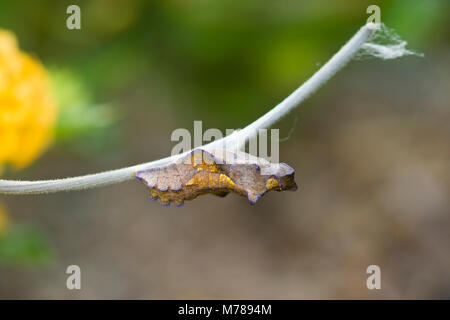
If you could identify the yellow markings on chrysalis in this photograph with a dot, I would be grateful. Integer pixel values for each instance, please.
(226, 181)
(211, 180)
(164, 197)
(272, 184)
(193, 181)
(154, 193)
(206, 167)
(178, 202)
(199, 163)
(199, 179)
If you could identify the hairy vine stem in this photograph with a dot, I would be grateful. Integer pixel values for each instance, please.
(339, 60)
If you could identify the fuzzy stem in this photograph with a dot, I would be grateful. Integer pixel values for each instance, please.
(339, 60)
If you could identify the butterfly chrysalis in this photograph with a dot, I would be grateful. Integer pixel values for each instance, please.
(218, 172)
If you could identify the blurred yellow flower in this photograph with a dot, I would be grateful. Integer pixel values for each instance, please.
(27, 109)
(3, 220)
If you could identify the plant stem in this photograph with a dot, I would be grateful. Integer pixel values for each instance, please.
(237, 139)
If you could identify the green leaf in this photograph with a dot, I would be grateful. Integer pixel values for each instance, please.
(24, 245)
(78, 116)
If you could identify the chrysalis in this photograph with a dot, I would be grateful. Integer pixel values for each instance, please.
(219, 172)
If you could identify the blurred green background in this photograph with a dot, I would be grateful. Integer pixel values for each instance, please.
(370, 149)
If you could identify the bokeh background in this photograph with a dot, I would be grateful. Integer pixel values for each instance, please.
(371, 151)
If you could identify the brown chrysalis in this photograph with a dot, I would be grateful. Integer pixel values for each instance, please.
(219, 172)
